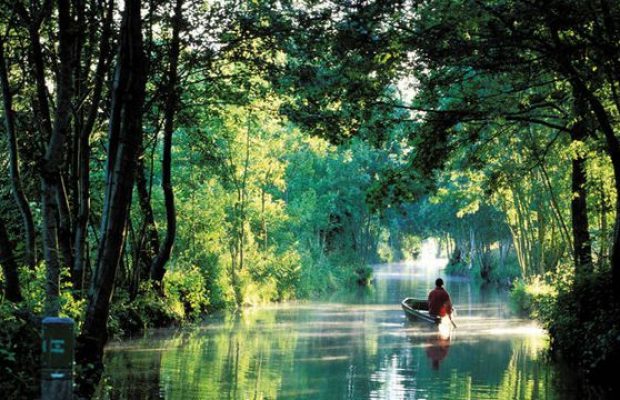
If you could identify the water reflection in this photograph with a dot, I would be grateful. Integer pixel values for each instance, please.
(353, 346)
(437, 349)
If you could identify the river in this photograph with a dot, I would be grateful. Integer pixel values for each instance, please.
(351, 346)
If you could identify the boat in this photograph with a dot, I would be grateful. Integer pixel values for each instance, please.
(417, 310)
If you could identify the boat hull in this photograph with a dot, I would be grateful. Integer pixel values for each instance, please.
(417, 310)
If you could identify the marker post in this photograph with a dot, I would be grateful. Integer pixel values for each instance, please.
(57, 358)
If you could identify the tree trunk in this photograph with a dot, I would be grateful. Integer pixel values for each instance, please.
(53, 181)
(157, 269)
(48, 206)
(65, 224)
(581, 232)
(263, 222)
(234, 280)
(83, 174)
(52, 190)
(9, 267)
(149, 238)
(472, 248)
(603, 225)
(504, 247)
(613, 150)
(16, 182)
(124, 145)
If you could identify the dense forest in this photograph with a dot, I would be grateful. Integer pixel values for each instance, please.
(167, 159)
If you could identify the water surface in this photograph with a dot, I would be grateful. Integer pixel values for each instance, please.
(353, 346)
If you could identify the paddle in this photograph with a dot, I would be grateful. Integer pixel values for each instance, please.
(453, 324)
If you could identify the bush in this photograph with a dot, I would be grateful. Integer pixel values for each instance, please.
(147, 310)
(185, 298)
(460, 268)
(188, 286)
(503, 276)
(363, 275)
(530, 296)
(321, 274)
(582, 317)
(20, 344)
(584, 323)
(509, 273)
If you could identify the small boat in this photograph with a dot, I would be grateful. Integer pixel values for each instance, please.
(417, 310)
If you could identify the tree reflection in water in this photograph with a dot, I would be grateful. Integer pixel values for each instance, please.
(357, 348)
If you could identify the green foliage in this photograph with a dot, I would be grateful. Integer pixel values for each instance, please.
(504, 273)
(411, 246)
(585, 326)
(478, 151)
(147, 310)
(20, 343)
(532, 296)
(187, 285)
(461, 268)
(185, 299)
(582, 317)
(507, 273)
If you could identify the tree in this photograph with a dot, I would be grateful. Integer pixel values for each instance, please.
(533, 51)
(576, 47)
(124, 141)
(14, 169)
(172, 99)
(55, 207)
(83, 132)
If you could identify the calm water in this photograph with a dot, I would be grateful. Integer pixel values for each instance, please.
(358, 346)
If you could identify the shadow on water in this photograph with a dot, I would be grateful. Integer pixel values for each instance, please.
(351, 346)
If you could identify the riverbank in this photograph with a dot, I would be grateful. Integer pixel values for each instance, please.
(581, 314)
(188, 297)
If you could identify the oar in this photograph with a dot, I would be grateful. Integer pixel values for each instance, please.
(453, 324)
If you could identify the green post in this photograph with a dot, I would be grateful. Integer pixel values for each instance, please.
(57, 359)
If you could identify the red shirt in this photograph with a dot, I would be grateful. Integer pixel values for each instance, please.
(439, 302)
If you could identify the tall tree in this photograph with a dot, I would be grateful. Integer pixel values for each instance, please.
(14, 169)
(172, 99)
(148, 238)
(82, 174)
(579, 48)
(54, 203)
(579, 207)
(124, 141)
(547, 45)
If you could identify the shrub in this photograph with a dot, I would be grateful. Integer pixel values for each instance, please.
(188, 286)
(582, 317)
(20, 344)
(584, 323)
(320, 274)
(531, 295)
(147, 310)
(509, 273)
(460, 268)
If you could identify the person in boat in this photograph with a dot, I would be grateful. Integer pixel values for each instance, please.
(439, 302)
